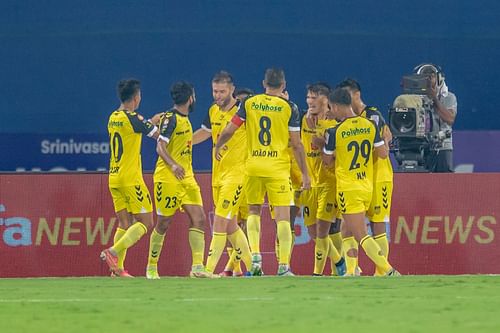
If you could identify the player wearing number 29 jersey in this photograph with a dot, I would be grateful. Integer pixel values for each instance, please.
(353, 141)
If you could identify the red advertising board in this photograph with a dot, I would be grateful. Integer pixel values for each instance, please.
(57, 224)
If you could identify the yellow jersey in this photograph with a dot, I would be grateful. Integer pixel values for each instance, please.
(353, 141)
(177, 134)
(318, 172)
(268, 120)
(125, 130)
(382, 167)
(231, 167)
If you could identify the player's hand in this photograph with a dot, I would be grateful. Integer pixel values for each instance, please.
(218, 155)
(306, 183)
(312, 120)
(156, 118)
(178, 171)
(318, 141)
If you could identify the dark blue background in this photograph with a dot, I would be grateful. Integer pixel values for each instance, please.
(60, 60)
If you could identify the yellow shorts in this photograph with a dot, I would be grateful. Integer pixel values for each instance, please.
(380, 207)
(279, 190)
(318, 204)
(354, 202)
(135, 199)
(227, 199)
(170, 196)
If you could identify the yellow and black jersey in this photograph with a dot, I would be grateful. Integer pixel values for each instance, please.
(231, 167)
(177, 134)
(268, 122)
(125, 130)
(382, 167)
(353, 141)
(318, 172)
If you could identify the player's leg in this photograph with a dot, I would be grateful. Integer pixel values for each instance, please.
(279, 192)
(255, 192)
(125, 220)
(168, 198)
(225, 226)
(156, 241)
(139, 204)
(357, 204)
(336, 238)
(379, 215)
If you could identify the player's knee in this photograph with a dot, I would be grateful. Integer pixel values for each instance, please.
(352, 253)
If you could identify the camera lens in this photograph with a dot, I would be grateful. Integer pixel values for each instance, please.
(404, 122)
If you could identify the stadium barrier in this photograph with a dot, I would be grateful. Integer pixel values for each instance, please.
(56, 225)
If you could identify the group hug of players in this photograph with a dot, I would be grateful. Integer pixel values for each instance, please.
(329, 161)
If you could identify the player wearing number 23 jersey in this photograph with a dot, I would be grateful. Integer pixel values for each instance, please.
(353, 141)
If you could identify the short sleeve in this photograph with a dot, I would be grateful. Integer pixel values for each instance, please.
(329, 147)
(167, 126)
(294, 122)
(141, 125)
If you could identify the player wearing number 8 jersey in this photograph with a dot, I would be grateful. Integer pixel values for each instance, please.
(271, 122)
(130, 195)
(353, 141)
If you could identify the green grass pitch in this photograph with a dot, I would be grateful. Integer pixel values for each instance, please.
(266, 304)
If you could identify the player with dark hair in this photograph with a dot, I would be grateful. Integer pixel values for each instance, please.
(352, 144)
(174, 182)
(319, 206)
(380, 207)
(271, 122)
(131, 198)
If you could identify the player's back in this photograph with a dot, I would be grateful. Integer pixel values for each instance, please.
(354, 140)
(268, 119)
(382, 167)
(125, 130)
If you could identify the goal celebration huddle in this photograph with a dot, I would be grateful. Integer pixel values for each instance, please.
(329, 163)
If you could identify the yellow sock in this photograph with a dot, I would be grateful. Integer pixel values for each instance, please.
(383, 243)
(131, 236)
(350, 245)
(373, 251)
(197, 244)
(293, 244)
(253, 232)
(229, 265)
(122, 254)
(216, 247)
(333, 254)
(241, 248)
(155, 245)
(337, 241)
(285, 239)
(321, 250)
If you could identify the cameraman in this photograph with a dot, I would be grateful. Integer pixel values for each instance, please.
(444, 111)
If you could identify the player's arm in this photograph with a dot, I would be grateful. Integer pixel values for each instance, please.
(235, 123)
(203, 133)
(328, 155)
(155, 120)
(167, 127)
(141, 125)
(380, 147)
(297, 146)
